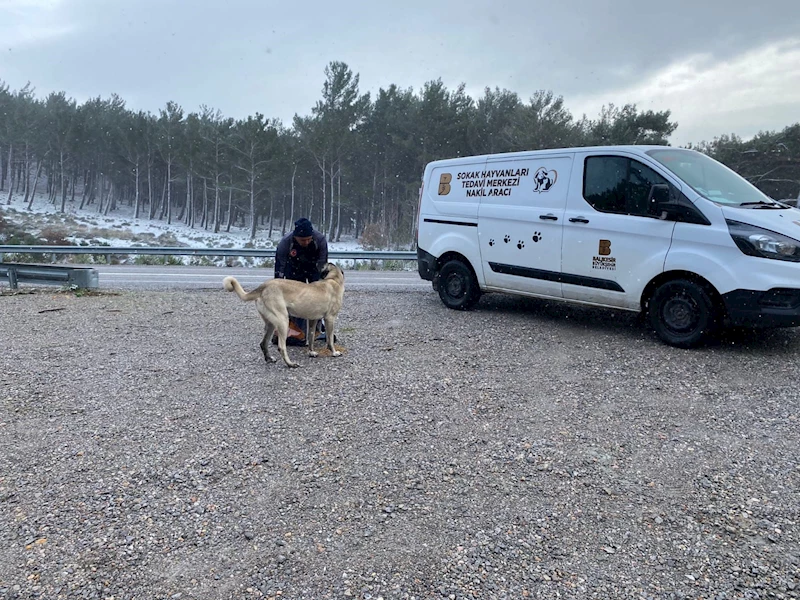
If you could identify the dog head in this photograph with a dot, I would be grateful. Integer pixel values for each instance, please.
(332, 271)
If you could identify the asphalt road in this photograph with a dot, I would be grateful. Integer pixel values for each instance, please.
(164, 278)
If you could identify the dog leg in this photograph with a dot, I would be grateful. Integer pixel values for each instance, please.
(311, 336)
(283, 331)
(269, 329)
(330, 326)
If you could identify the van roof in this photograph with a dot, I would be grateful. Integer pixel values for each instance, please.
(635, 149)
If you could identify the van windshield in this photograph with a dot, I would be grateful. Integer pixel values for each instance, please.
(712, 179)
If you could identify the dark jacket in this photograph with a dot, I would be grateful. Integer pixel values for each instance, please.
(292, 261)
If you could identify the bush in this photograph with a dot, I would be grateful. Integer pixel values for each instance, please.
(372, 238)
(144, 259)
(53, 235)
(90, 259)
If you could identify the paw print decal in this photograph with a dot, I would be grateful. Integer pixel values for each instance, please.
(520, 244)
(507, 239)
(537, 236)
(491, 242)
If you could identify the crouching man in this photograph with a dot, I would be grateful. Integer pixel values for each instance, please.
(301, 255)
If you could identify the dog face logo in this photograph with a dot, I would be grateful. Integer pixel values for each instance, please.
(444, 183)
(604, 248)
(543, 179)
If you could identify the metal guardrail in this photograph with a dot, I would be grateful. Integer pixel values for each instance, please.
(86, 277)
(70, 275)
(184, 251)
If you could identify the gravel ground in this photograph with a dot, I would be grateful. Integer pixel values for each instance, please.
(524, 449)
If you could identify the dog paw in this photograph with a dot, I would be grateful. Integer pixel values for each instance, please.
(313, 354)
(293, 365)
(520, 244)
(507, 239)
(336, 353)
(536, 236)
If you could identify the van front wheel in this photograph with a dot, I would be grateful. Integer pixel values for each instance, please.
(457, 286)
(682, 314)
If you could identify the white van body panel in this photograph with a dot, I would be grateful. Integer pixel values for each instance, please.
(786, 221)
(608, 259)
(520, 222)
(448, 212)
(445, 194)
(462, 240)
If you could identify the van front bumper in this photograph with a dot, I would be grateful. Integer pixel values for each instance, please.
(778, 307)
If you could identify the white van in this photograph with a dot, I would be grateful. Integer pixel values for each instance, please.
(658, 229)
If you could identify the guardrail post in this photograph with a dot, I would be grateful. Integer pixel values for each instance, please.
(12, 278)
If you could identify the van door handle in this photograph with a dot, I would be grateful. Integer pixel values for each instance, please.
(548, 217)
(578, 220)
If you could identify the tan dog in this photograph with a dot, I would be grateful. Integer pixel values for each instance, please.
(276, 299)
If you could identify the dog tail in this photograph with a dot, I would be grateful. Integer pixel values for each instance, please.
(231, 285)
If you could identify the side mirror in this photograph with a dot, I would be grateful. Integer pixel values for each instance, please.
(658, 197)
(678, 208)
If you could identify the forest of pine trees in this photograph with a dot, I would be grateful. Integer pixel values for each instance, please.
(353, 165)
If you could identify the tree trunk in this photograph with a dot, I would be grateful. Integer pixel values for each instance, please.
(87, 182)
(339, 209)
(230, 208)
(291, 212)
(151, 207)
(252, 205)
(35, 183)
(330, 220)
(324, 197)
(311, 208)
(383, 202)
(163, 206)
(110, 197)
(283, 215)
(371, 213)
(10, 172)
(216, 203)
(189, 203)
(169, 192)
(63, 183)
(136, 193)
(26, 187)
(271, 208)
(205, 205)
(102, 196)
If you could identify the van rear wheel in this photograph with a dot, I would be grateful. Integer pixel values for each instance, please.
(457, 286)
(682, 313)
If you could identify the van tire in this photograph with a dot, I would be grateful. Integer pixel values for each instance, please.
(458, 288)
(682, 313)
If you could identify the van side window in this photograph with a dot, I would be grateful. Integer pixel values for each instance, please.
(618, 185)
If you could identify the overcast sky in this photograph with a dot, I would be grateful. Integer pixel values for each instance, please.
(720, 66)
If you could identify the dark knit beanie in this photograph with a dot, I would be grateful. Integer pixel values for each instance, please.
(303, 228)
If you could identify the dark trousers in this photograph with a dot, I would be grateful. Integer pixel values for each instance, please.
(305, 277)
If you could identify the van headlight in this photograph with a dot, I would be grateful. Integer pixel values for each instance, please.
(764, 243)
